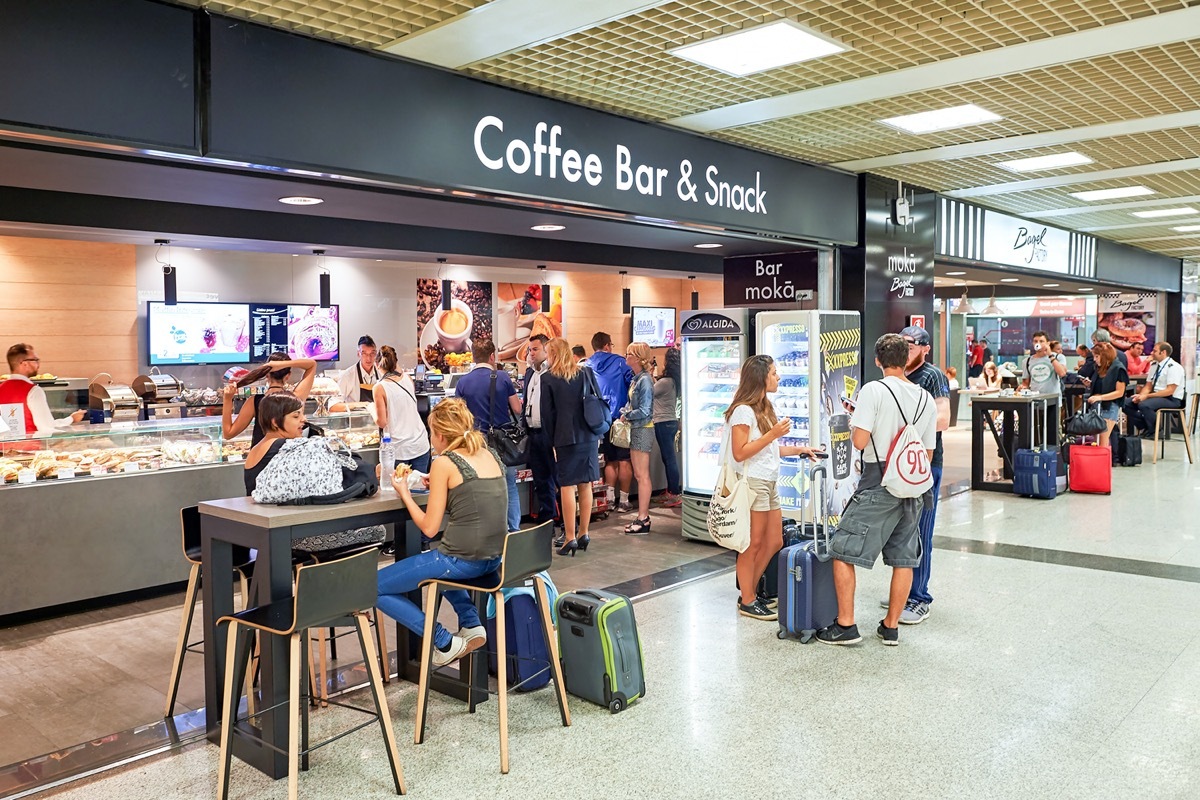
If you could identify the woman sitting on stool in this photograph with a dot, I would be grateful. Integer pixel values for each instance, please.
(468, 484)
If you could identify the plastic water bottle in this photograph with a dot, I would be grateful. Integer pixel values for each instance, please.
(387, 461)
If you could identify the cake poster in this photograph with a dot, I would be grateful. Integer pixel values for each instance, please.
(519, 315)
(1129, 319)
(444, 337)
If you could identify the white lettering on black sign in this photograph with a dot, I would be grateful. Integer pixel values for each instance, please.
(906, 265)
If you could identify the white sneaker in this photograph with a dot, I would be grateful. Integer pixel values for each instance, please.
(471, 634)
(458, 649)
(914, 613)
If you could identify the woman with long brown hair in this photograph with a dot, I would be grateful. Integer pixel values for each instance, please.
(577, 462)
(754, 431)
(277, 370)
(397, 414)
(1108, 387)
(467, 487)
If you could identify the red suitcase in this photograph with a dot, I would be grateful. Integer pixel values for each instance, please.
(1091, 469)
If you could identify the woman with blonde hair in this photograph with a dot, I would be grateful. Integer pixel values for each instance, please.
(577, 463)
(1108, 387)
(639, 413)
(754, 432)
(467, 485)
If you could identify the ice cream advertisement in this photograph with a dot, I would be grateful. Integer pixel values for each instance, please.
(199, 333)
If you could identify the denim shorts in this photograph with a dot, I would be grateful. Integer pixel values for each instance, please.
(877, 522)
(1112, 413)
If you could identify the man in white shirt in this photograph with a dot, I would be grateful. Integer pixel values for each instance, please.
(541, 444)
(23, 364)
(357, 383)
(1164, 388)
(876, 521)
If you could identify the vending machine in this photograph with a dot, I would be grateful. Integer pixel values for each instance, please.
(714, 344)
(817, 355)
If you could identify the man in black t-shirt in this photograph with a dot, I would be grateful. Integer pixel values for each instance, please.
(932, 380)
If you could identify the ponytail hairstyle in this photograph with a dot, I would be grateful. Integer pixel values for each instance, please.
(752, 392)
(452, 420)
(263, 370)
(640, 351)
(388, 358)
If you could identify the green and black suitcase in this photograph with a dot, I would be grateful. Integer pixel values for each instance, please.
(600, 650)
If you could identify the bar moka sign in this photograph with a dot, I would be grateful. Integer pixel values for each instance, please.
(769, 280)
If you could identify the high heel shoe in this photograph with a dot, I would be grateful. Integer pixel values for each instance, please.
(584, 541)
(569, 549)
(638, 527)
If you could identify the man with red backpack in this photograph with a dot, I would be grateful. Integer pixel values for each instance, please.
(894, 427)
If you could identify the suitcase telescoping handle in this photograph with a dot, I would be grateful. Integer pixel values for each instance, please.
(817, 477)
(579, 612)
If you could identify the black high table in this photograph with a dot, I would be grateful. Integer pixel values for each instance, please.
(1017, 414)
(271, 530)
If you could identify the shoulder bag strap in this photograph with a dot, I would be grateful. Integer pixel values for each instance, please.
(726, 456)
(491, 400)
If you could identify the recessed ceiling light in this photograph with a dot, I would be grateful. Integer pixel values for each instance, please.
(707, 245)
(300, 200)
(942, 119)
(548, 228)
(1037, 163)
(1165, 212)
(1009, 280)
(763, 47)
(295, 255)
(956, 273)
(1051, 285)
(1113, 194)
(1186, 228)
(1083, 289)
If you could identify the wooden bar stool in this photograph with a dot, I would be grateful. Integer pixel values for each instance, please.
(326, 594)
(190, 525)
(1158, 423)
(526, 553)
(1193, 412)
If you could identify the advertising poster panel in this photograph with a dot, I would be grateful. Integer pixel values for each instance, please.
(444, 337)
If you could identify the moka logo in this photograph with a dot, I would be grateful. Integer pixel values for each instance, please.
(903, 269)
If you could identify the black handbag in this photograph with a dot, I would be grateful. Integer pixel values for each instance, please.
(1086, 423)
(510, 440)
(596, 413)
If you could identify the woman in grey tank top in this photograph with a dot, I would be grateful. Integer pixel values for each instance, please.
(467, 488)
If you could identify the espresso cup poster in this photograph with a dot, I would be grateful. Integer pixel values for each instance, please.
(444, 337)
(1129, 319)
(841, 376)
(519, 315)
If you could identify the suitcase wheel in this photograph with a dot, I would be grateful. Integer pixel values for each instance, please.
(782, 633)
(805, 638)
(616, 705)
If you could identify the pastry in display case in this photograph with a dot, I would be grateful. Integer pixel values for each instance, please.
(83, 451)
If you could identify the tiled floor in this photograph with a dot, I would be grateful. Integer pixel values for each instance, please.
(1052, 666)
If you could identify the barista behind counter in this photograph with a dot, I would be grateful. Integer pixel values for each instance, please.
(23, 364)
(357, 383)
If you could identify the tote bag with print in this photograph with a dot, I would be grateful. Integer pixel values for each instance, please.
(729, 509)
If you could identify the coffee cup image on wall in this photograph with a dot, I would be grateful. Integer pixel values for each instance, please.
(453, 326)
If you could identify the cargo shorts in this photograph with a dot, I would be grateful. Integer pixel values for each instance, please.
(874, 522)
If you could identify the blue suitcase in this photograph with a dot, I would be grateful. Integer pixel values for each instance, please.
(807, 601)
(528, 659)
(1035, 474)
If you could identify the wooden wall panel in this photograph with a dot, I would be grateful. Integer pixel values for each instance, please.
(76, 302)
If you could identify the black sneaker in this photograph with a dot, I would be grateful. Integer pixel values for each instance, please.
(836, 634)
(770, 602)
(757, 610)
(889, 636)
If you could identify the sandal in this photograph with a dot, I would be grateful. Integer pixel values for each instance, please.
(638, 527)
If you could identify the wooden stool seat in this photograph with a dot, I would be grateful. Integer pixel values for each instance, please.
(1158, 422)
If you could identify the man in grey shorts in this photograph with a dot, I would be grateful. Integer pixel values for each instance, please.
(876, 521)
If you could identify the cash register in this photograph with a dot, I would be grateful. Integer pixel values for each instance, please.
(429, 390)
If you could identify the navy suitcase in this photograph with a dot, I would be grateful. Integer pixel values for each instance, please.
(528, 659)
(807, 601)
(1035, 474)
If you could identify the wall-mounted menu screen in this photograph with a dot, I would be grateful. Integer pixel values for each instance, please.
(239, 333)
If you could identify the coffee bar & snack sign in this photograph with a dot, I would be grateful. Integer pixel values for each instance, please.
(547, 156)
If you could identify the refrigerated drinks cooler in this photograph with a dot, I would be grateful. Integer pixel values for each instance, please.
(714, 344)
(817, 355)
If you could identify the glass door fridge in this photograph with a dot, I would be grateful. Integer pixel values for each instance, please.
(714, 344)
(818, 357)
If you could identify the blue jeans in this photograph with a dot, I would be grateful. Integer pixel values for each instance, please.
(396, 581)
(420, 463)
(665, 432)
(920, 584)
(514, 499)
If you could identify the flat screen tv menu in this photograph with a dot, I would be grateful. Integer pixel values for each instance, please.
(239, 333)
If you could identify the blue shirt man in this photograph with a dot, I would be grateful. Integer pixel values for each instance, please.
(474, 389)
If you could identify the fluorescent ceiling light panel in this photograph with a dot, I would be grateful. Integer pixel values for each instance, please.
(1009, 280)
(707, 245)
(956, 273)
(942, 119)
(1186, 228)
(1165, 212)
(760, 48)
(1037, 163)
(1113, 194)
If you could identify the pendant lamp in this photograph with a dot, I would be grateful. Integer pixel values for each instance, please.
(964, 305)
(992, 309)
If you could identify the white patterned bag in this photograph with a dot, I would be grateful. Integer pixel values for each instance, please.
(302, 468)
(729, 509)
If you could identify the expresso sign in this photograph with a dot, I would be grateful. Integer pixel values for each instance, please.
(777, 279)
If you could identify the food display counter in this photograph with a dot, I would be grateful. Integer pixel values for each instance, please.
(93, 510)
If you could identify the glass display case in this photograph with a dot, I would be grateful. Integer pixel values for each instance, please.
(84, 451)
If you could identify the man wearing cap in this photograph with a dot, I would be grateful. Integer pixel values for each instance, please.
(932, 380)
